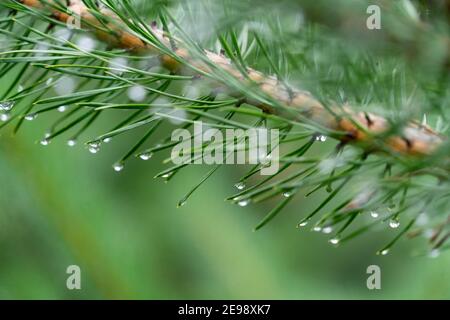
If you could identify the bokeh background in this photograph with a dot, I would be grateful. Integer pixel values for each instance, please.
(61, 206)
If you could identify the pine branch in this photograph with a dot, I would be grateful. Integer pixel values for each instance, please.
(362, 128)
(407, 160)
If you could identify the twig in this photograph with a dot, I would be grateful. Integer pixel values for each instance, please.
(358, 127)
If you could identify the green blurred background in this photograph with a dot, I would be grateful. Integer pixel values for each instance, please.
(61, 206)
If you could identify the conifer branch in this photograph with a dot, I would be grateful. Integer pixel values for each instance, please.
(351, 126)
(401, 167)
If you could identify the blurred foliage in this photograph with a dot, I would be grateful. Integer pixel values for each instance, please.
(61, 206)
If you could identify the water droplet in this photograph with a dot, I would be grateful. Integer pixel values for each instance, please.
(321, 138)
(394, 223)
(317, 229)
(327, 230)
(374, 214)
(182, 203)
(64, 34)
(434, 253)
(303, 223)
(240, 185)
(86, 44)
(137, 93)
(429, 233)
(49, 81)
(118, 65)
(334, 240)
(118, 167)
(422, 219)
(167, 175)
(384, 252)
(243, 203)
(45, 142)
(71, 142)
(146, 156)
(107, 140)
(94, 150)
(191, 92)
(288, 193)
(31, 116)
(62, 108)
(7, 105)
(4, 117)
(65, 86)
(94, 147)
(20, 88)
(177, 116)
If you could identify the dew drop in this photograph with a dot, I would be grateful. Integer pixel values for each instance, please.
(422, 219)
(146, 156)
(303, 223)
(243, 203)
(334, 241)
(63, 34)
(71, 142)
(94, 150)
(65, 86)
(434, 253)
(20, 88)
(384, 252)
(94, 147)
(49, 81)
(118, 167)
(288, 194)
(429, 233)
(374, 214)
(182, 203)
(240, 185)
(86, 44)
(321, 138)
(191, 92)
(118, 65)
(137, 93)
(7, 105)
(178, 116)
(31, 116)
(167, 175)
(327, 230)
(317, 229)
(45, 142)
(394, 223)
(62, 108)
(4, 117)
(107, 140)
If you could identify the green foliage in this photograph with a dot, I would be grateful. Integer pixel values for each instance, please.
(399, 72)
